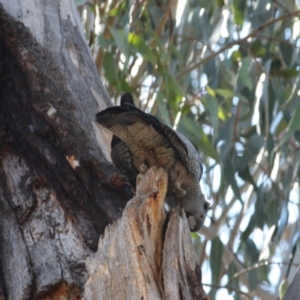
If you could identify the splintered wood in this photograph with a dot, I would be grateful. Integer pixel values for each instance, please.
(143, 255)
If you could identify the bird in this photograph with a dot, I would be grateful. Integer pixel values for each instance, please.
(142, 140)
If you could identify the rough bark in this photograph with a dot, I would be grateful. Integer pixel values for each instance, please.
(143, 255)
(58, 190)
(293, 291)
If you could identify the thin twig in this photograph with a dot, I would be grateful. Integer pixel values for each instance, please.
(214, 286)
(258, 265)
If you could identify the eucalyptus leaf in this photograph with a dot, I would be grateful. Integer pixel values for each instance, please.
(139, 43)
(80, 2)
(120, 37)
(258, 49)
(216, 259)
(283, 287)
(229, 174)
(293, 125)
(239, 10)
(244, 78)
(282, 222)
(260, 207)
(213, 108)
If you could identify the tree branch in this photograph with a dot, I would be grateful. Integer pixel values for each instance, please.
(238, 42)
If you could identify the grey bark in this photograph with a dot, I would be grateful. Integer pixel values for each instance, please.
(141, 256)
(293, 291)
(58, 190)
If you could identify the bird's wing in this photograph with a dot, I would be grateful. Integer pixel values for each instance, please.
(139, 131)
(122, 159)
(186, 151)
(181, 145)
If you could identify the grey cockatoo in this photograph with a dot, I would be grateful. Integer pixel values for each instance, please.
(142, 139)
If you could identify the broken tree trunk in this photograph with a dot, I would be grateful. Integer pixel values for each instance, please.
(143, 256)
(58, 190)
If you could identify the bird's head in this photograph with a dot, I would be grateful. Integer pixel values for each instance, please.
(195, 206)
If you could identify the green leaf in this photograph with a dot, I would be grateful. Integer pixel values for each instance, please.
(285, 73)
(273, 209)
(80, 2)
(251, 226)
(253, 279)
(270, 147)
(252, 255)
(246, 176)
(288, 175)
(229, 174)
(225, 93)
(260, 207)
(236, 56)
(102, 42)
(190, 126)
(162, 108)
(226, 136)
(244, 78)
(238, 11)
(172, 89)
(276, 64)
(124, 86)
(222, 114)
(109, 66)
(117, 10)
(252, 148)
(283, 287)
(210, 91)
(294, 125)
(207, 147)
(120, 38)
(288, 53)
(212, 105)
(215, 259)
(232, 280)
(284, 215)
(257, 49)
(139, 43)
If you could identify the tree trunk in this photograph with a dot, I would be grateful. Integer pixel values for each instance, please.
(143, 256)
(293, 291)
(58, 190)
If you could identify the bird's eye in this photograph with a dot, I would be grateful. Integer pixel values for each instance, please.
(187, 214)
(207, 205)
